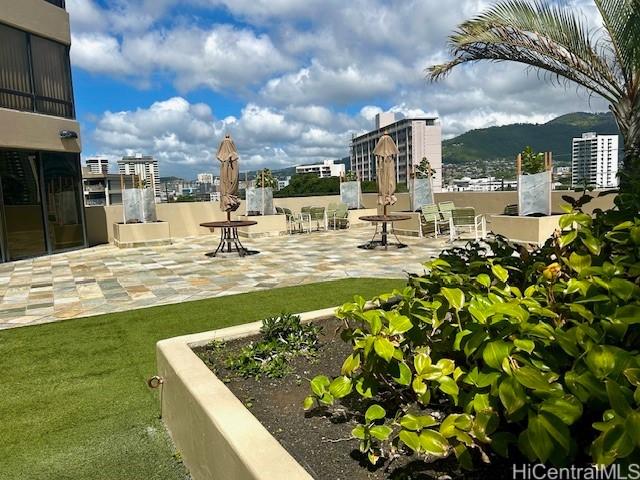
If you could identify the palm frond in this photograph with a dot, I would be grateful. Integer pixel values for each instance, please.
(543, 36)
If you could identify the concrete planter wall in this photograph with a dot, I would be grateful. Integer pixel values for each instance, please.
(354, 216)
(268, 226)
(217, 437)
(128, 235)
(535, 230)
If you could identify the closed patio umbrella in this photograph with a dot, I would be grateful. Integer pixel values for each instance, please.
(228, 156)
(385, 152)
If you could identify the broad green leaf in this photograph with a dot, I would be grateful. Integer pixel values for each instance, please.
(500, 273)
(634, 234)
(632, 425)
(410, 439)
(374, 412)
(340, 387)
(398, 323)
(622, 288)
(418, 385)
(326, 399)
(446, 366)
(404, 374)
(384, 348)
(633, 375)
(617, 399)
(481, 402)
(364, 387)
(454, 296)
(628, 314)
(558, 431)
(512, 395)
(463, 456)
(616, 441)
(448, 385)
(500, 442)
(539, 439)
(496, 351)
(582, 311)
(601, 361)
(532, 378)
(525, 345)
(381, 432)
(592, 243)
(484, 280)
(568, 238)
(372, 317)
(308, 403)
(567, 408)
(413, 422)
(320, 384)
(359, 432)
(433, 443)
(579, 262)
(460, 335)
(566, 220)
(421, 362)
(351, 364)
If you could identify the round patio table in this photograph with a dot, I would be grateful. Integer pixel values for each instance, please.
(384, 220)
(229, 240)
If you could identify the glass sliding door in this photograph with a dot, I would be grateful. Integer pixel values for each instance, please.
(21, 205)
(61, 174)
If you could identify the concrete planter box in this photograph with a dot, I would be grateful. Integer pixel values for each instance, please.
(129, 235)
(408, 228)
(268, 226)
(354, 217)
(217, 437)
(535, 230)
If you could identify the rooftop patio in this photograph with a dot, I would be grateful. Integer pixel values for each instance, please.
(106, 279)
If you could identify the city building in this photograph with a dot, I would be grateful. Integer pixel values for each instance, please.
(283, 182)
(104, 189)
(41, 206)
(486, 184)
(205, 178)
(594, 161)
(328, 168)
(146, 169)
(415, 138)
(98, 164)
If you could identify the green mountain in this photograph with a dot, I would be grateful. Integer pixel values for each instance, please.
(506, 142)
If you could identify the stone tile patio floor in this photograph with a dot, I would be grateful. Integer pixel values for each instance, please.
(106, 279)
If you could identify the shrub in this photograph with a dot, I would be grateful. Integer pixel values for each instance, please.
(496, 348)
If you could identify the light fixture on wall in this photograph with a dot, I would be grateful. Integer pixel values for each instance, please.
(68, 134)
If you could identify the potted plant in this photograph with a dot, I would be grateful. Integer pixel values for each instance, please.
(260, 197)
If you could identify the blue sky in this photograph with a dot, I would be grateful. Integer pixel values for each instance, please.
(291, 80)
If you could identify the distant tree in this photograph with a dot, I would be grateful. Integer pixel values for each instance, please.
(555, 40)
(185, 198)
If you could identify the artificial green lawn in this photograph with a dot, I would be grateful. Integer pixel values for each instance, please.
(73, 397)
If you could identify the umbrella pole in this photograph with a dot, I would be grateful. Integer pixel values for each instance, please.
(228, 216)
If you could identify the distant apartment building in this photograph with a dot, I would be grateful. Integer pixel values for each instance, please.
(40, 174)
(145, 168)
(104, 189)
(205, 178)
(283, 182)
(328, 168)
(415, 138)
(98, 165)
(594, 161)
(485, 184)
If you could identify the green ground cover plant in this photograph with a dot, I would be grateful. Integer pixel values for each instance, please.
(497, 350)
(74, 403)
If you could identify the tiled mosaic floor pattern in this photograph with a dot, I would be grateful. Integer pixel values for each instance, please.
(106, 279)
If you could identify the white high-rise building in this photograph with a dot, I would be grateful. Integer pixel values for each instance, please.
(145, 167)
(415, 138)
(98, 165)
(595, 161)
(205, 178)
(328, 168)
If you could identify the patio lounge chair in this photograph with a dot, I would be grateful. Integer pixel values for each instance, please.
(305, 216)
(319, 216)
(340, 217)
(445, 209)
(430, 220)
(466, 219)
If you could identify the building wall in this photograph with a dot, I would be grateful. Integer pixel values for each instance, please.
(595, 159)
(37, 16)
(34, 131)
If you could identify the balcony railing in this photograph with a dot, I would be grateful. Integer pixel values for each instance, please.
(57, 3)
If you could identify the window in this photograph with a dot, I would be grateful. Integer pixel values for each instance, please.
(57, 3)
(35, 74)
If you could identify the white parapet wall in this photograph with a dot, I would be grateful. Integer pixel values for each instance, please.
(534, 230)
(217, 437)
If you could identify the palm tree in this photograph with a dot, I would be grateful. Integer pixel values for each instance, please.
(554, 40)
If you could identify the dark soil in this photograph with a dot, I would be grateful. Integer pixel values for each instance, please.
(320, 440)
